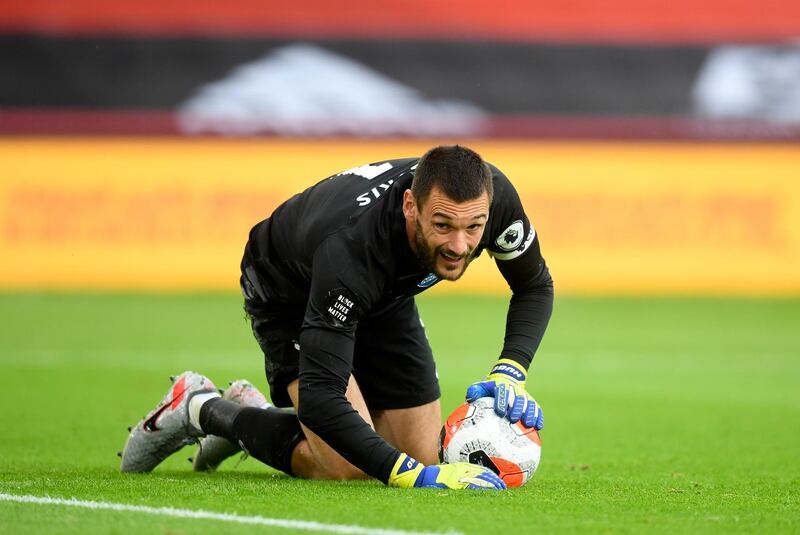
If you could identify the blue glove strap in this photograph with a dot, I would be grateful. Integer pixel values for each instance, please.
(513, 371)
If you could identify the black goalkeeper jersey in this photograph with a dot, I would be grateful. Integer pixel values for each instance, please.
(340, 251)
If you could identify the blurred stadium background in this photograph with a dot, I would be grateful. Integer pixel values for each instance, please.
(655, 144)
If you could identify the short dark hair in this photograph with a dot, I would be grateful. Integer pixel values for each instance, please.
(459, 172)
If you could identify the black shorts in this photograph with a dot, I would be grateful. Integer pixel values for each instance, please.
(392, 360)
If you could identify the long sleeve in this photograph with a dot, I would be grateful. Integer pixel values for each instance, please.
(325, 363)
(341, 291)
(530, 307)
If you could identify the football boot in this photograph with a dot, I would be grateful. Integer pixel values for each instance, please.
(167, 428)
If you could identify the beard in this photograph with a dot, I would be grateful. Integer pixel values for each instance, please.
(428, 255)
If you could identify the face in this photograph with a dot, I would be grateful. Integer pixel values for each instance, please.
(443, 233)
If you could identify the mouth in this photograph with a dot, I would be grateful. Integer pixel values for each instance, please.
(450, 259)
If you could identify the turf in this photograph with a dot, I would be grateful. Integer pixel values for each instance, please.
(663, 416)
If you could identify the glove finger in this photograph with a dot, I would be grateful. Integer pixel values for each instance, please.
(534, 417)
(529, 418)
(480, 390)
(493, 479)
(501, 399)
(517, 407)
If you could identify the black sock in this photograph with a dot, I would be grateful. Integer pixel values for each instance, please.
(217, 416)
(270, 435)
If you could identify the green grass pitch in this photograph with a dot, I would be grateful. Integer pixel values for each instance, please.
(662, 416)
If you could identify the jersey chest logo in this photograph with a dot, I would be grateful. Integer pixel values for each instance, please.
(430, 280)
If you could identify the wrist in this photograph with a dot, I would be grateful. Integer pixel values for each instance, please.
(508, 370)
(405, 472)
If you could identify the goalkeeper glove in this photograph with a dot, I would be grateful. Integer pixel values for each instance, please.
(409, 473)
(506, 384)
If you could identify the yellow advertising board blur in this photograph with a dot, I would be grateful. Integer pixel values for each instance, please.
(173, 213)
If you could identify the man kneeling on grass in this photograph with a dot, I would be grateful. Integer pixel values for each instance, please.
(329, 281)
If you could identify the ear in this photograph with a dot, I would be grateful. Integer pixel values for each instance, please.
(409, 206)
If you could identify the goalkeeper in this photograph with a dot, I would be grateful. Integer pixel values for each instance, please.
(329, 281)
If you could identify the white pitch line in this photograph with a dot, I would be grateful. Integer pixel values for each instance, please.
(210, 515)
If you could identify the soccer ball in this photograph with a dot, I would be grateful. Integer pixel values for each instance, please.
(474, 433)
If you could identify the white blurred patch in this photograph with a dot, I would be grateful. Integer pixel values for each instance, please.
(750, 82)
(304, 90)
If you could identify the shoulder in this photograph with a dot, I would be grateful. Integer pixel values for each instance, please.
(360, 255)
(504, 190)
(348, 278)
(379, 169)
(505, 200)
(509, 232)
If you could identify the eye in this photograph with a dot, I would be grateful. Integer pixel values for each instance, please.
(474, 227)
(441, 226)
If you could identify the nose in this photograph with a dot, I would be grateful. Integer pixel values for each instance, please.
(458, 243)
